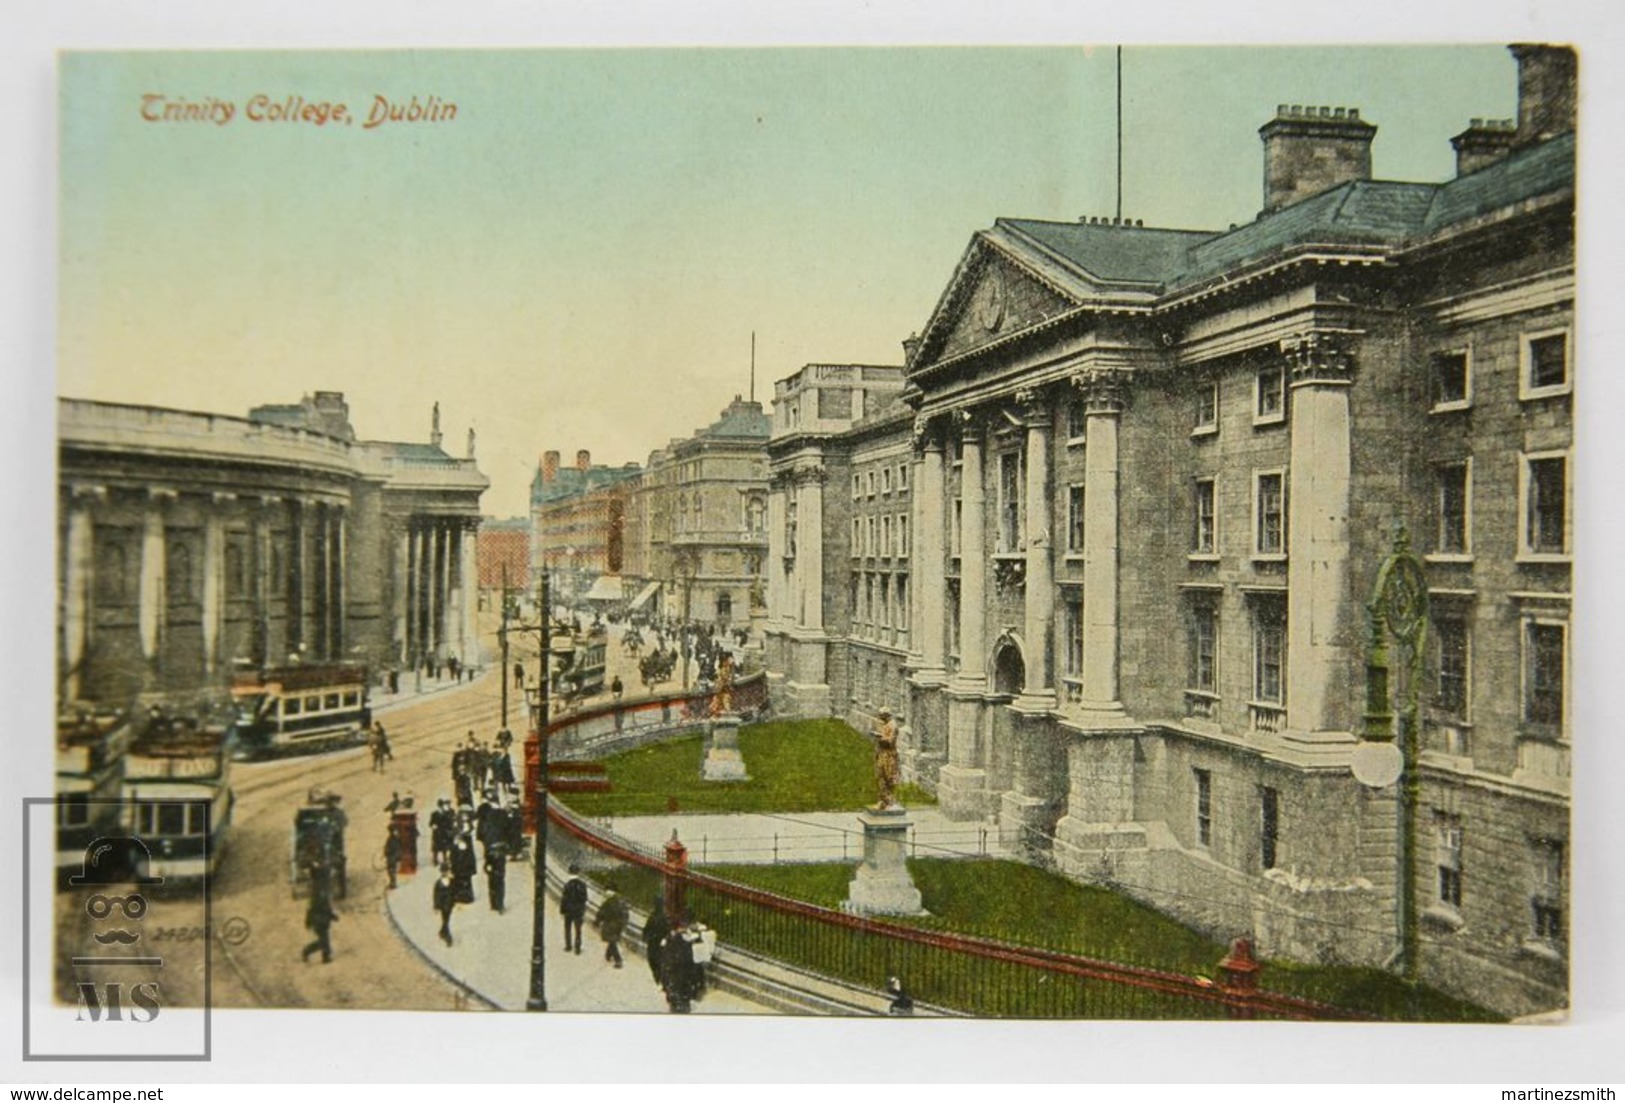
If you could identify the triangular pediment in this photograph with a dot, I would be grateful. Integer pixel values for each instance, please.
(995, 298)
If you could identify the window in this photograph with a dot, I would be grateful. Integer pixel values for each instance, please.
(1204, 532)
(885, 601)
(1077, 419)
(852, 602)
(1447, 851)
(1205, 417)
(1204, 807)
(857, 486)
(857, 537)
(901, 591)
(1204, 637)
(1544, 647)
(1451, 692)
(237, 566)
(177, 573)
(1269, 504)
(1545, 365)
(1074, 518)
(1269, 652)
(291, 706)
(959, 525)
(1010, 502)
(871, 478)
(1072, 628)
(1453, 491)
(1545, 504)
(872, 546)
(885, 480)
(885, 537)
(1546, 899)
(1269, 827)
(1448, 379)
(902, 477)
(1269, 396)
(902, 535)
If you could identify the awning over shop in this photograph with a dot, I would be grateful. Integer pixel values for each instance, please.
(645, 594)
(607, 588)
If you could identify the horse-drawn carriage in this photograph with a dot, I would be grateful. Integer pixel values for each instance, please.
(317, 852)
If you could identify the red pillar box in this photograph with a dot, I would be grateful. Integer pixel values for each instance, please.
(676, 881)
(405, 826)
(533, 780)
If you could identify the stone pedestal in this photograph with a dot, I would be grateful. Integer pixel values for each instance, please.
(722, 759)
(882, 885)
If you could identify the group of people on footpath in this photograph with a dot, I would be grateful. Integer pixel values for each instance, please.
(677, 953)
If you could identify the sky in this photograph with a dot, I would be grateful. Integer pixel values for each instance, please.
(579, 258)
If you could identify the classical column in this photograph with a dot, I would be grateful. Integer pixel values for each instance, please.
(150, 611)
(336, 585)
(777, 607)
(401, 579)
(1038, 694)
(260, 643)
(1321, 365)
(296, 577)
(810, 551)
(929, 557)
(437, 588)
(1103, 407)
(972, 676)
(77, 579)
(214, 554)
(469, 645)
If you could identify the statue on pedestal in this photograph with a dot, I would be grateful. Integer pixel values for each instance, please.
(886, 768)
(722, 700)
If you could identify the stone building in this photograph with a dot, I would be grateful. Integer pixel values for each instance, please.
(700, 519)
(577, 522)
(1152, 476)
(192, 542)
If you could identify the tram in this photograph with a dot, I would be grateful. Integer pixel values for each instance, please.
(90, 750)
(176, 794)
(299, 709)
(579, 662)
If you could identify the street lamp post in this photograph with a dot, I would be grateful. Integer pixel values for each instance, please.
(538, 934)
(1398, 609)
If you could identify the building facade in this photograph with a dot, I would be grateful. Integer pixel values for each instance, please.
(502, 557)
(192, 543)
(578, 517)
(1152, 477)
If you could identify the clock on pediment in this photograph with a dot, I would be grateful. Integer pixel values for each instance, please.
(987, 305)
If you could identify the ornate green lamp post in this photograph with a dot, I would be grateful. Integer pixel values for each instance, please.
(1399, 611)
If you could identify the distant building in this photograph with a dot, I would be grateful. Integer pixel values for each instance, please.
(1148, 482)
(192, 542)
(699, 517)
(503, 556)
(577, 519)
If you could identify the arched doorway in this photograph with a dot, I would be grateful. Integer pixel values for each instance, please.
(1009, 669)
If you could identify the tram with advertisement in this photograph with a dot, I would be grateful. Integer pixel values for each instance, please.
(90, 750)
(177, 795)
(579, 662)
(299, 709)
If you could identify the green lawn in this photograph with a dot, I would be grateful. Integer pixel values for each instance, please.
(794, 766)
(1017, 903)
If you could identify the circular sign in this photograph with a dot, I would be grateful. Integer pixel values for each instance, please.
(1377, 765)
(1404, 599)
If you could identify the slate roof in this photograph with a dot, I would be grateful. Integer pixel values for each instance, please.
(1361, 212)
(741, 420)
(411, 452)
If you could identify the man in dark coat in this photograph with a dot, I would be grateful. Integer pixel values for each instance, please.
(612, 916)
(496, 877)
(463, 867)
(445, 902)
(487, 825)
(319, 919)
(392, 854)
(442, 829)
(684, 978)
(655, 930)
(573, 906)
(519, 675)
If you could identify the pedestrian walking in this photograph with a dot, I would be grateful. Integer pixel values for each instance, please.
(655, 930)
(573, 906)
(611, 919)
(496, 878)
(456, 668)
(378, 743)
(616, 688)
(519, 675)
(442, 823)
(445, 902)
(319, 920)
(392, 854)
(463, 867)
(684, 977)
(901, 1002)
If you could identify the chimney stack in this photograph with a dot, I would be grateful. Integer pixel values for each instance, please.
(583, 460)
(1547, 82)
(550, 467)
(1484, 142)
(1308, 150)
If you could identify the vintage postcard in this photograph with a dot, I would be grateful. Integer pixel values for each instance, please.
(1054, 533)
